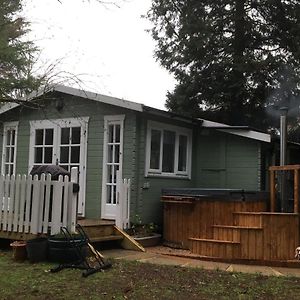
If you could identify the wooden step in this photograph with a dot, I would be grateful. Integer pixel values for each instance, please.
(215, 248)
(230, 233)
(247, 219)
(106, 238)
(97, 228)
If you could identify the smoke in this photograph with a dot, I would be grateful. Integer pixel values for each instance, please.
(286, 93)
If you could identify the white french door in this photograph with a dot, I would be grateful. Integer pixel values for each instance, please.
(61, 142)
(112, 162)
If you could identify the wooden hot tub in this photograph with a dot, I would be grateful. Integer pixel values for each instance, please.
(230, 224)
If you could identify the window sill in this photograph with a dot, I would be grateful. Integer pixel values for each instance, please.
(171, 176)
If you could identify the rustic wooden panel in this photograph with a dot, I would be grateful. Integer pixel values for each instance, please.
(189, 218)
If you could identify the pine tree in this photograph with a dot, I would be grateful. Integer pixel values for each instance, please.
(231, 58)
(16, 54)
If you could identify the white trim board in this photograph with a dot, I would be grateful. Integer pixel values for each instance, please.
(244, 132)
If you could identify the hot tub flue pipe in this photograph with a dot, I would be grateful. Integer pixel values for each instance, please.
(283, 138)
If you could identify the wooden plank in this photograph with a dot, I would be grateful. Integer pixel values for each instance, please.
(56, 205)
(41, 203)
(27, 203)
(2, 178)
(65, 201)
(284, 168)
(22, 203)
(72, 205)
(17, 204)
(34, 216)
(296, 191)
(11, 202)
(5, 204)
(46, 216)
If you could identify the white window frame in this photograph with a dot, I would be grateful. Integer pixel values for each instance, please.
(6, 127)
(178, 131)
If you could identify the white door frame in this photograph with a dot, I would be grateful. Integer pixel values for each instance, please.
(110, 213)
(57, 124)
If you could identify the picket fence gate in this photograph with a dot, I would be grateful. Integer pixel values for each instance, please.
(38, 205)
(123, 202)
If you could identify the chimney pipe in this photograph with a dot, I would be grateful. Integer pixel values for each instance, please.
(283, 138)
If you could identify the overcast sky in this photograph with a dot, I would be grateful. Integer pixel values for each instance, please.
(106, 46)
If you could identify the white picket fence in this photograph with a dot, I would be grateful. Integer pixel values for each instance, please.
(33, 205)
(123, 202)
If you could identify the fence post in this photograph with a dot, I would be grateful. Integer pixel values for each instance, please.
(119, 200)
(34, 220)
(72, 202)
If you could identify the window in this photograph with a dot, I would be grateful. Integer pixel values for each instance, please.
(168, 150)
(9, 152)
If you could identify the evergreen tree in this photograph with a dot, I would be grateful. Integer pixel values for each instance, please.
(231, 58)
(16, 54)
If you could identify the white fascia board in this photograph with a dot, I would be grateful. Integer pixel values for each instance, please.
(206, 123)
(100, 98)
(8, 106)
(251, 134)
(80, 93)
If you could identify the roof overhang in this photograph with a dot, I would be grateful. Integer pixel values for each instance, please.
(79, 93)
(243, 131)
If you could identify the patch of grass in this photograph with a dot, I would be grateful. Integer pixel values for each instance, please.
(133, 280)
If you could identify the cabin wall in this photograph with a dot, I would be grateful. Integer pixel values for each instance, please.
(75, 107)
(226, 161)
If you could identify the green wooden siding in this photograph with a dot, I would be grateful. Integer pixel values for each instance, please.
(76, 108)
(227, 161)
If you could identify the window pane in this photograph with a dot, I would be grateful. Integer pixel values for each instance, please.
(108, 193)
(110, 133)
(13, 134)
(75, 154)
(8, 137)
(155, 149)
(110, 154)
(49, 137)
(182, 153)
(38, 155)
(7, 170)
(116, 168)
(39, 134)
(48, 155)
(114, 194)
(76, 135)
(7, 152)
(65, 136)
(109, 173)
(64, 154)
(12, 154)
(117, 154)
(117, 134)
(168, 151)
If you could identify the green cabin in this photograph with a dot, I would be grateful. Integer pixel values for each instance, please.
(155, 149)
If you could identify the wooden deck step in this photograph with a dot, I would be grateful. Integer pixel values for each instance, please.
(106, 238)
(231, 233)
(105, 230)
(214, 241)
(215, 248)
(247, 219)
(97, 229)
